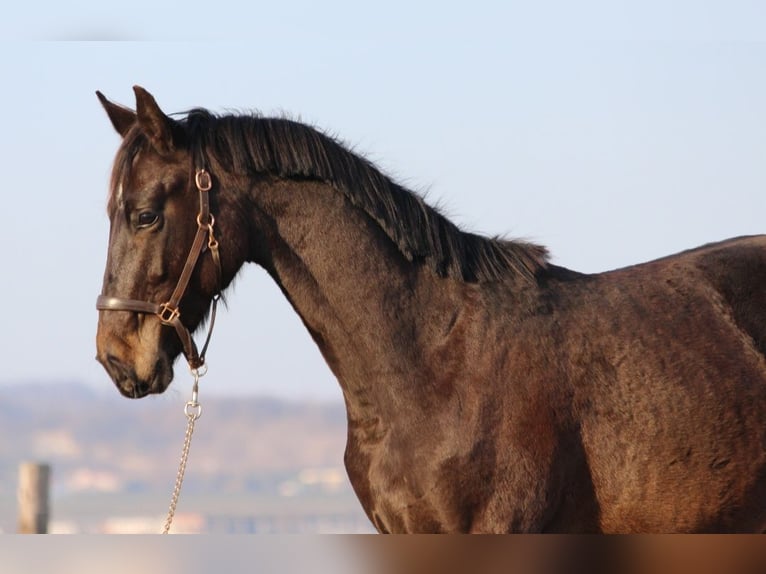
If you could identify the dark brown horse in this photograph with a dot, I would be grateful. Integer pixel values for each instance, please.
(487, 390)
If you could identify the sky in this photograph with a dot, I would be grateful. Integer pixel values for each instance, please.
(612, 134)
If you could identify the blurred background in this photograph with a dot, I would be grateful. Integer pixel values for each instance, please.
(612, 134)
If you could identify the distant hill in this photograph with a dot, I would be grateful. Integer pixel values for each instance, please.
(103, 442)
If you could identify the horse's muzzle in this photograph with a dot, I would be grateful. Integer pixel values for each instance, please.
(127, 381)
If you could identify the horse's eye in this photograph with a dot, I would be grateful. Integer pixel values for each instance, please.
(147, 218)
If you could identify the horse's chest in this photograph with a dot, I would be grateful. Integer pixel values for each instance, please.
(399, 492)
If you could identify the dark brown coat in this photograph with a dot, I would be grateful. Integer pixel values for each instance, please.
(486, 389)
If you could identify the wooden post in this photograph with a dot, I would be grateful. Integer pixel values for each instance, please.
(34, 479)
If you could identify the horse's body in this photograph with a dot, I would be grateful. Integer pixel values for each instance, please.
(486, 389)
(632, 401)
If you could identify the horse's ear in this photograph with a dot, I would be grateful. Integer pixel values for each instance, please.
(158, 127)
(122, 118)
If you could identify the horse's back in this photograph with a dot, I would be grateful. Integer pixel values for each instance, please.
(737, 270)
(670, 389)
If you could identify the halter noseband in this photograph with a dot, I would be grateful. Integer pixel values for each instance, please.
(169, 312)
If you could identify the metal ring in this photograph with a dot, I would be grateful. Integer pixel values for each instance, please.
(207, 225)
(199, 372)
(203, 180)
(193, 410)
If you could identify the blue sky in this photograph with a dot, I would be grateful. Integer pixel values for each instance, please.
(613, 135)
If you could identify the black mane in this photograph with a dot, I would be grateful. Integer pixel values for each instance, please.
(250, 144)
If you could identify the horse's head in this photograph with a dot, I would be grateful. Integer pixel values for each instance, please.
(157, 220)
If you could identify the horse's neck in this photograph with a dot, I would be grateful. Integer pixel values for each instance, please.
(364, 304)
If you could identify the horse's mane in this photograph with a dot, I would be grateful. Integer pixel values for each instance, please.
(251, 144)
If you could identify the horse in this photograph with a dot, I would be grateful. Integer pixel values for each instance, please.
(486, 389)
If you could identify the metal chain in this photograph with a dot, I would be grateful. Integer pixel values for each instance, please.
(193, 411)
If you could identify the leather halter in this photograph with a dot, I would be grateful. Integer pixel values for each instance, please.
(169, 312)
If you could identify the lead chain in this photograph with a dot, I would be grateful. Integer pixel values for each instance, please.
(192, 410)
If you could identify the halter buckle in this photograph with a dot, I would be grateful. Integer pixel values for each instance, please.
(168, 313)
